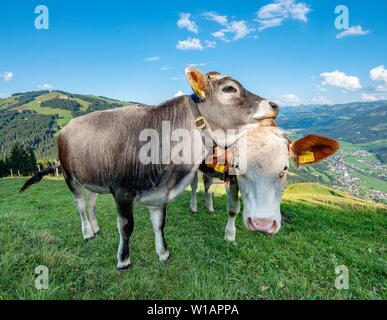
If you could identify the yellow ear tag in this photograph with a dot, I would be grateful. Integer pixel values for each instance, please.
(219, 167)
(197, 89)
(306, 157)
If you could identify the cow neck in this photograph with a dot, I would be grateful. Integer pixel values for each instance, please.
(199, 121)
(223, 166)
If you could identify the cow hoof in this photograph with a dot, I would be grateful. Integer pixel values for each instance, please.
(124, 265)
(96, 230)
(194, 210)
(229, 237)
(88, 238)
(164, 257)
(87, 232)
(123, 268)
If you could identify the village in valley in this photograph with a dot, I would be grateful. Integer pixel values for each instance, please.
(359, 173)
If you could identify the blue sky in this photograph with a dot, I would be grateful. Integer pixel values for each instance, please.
(285, 50)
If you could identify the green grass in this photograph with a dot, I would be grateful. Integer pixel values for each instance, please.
(324, 229)
(6, 102)
(65, 115)
(369, 181)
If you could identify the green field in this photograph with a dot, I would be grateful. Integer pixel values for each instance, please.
(323, 229)
(64, 115)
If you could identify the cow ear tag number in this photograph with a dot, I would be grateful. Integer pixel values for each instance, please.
(306, 157)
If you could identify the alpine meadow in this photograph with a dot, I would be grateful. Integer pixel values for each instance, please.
(186, 156)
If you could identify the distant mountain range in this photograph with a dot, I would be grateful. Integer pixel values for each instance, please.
(363, 123)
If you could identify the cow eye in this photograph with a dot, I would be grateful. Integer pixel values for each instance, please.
(229, 89)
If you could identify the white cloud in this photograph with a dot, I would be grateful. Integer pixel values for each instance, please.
(165, 68)
(341, 80)
(214, 16)
(275, 13)
(266, 24)
(219, 35)
(177, 78)
(289, 99)
(7, 76)
(368, 97)
(379, 73)
(320, 88)
(239, 29)
(196, 64)
(186, 23)
(352, 31)
(45, 86)
(320, 100)
(189, 44)
(179, 93)
(210, 44)
(152, 59)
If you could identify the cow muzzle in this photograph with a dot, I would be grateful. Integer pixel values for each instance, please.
(266, 225)
(266, 110)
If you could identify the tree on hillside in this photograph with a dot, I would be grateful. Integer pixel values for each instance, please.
(3, 168)
(32, 163)
(21, 160)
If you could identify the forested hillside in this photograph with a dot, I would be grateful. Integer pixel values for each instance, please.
(33, 118)
(28, 128)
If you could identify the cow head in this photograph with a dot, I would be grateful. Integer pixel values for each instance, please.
(263, 182)
(225, 103)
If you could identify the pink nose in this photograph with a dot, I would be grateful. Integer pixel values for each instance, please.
(265, 225)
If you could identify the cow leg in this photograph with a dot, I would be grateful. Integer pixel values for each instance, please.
(79, 201)
(125, 225)
(91, 207)
(233, 207)
(157, 216)
(207, 194)
(194, 186)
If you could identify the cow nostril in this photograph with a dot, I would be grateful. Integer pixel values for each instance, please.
(273, 105)
(265, 225)
(263, 222)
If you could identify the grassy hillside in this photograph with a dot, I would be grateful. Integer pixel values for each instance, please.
(50, 111)
(322, 229)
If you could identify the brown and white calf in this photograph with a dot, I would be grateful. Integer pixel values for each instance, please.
(102, 152)
(263, 181)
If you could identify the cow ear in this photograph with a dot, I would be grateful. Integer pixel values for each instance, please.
(312, 149)
(197, 81)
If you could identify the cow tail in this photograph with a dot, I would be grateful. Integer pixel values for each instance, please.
(39, 175)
